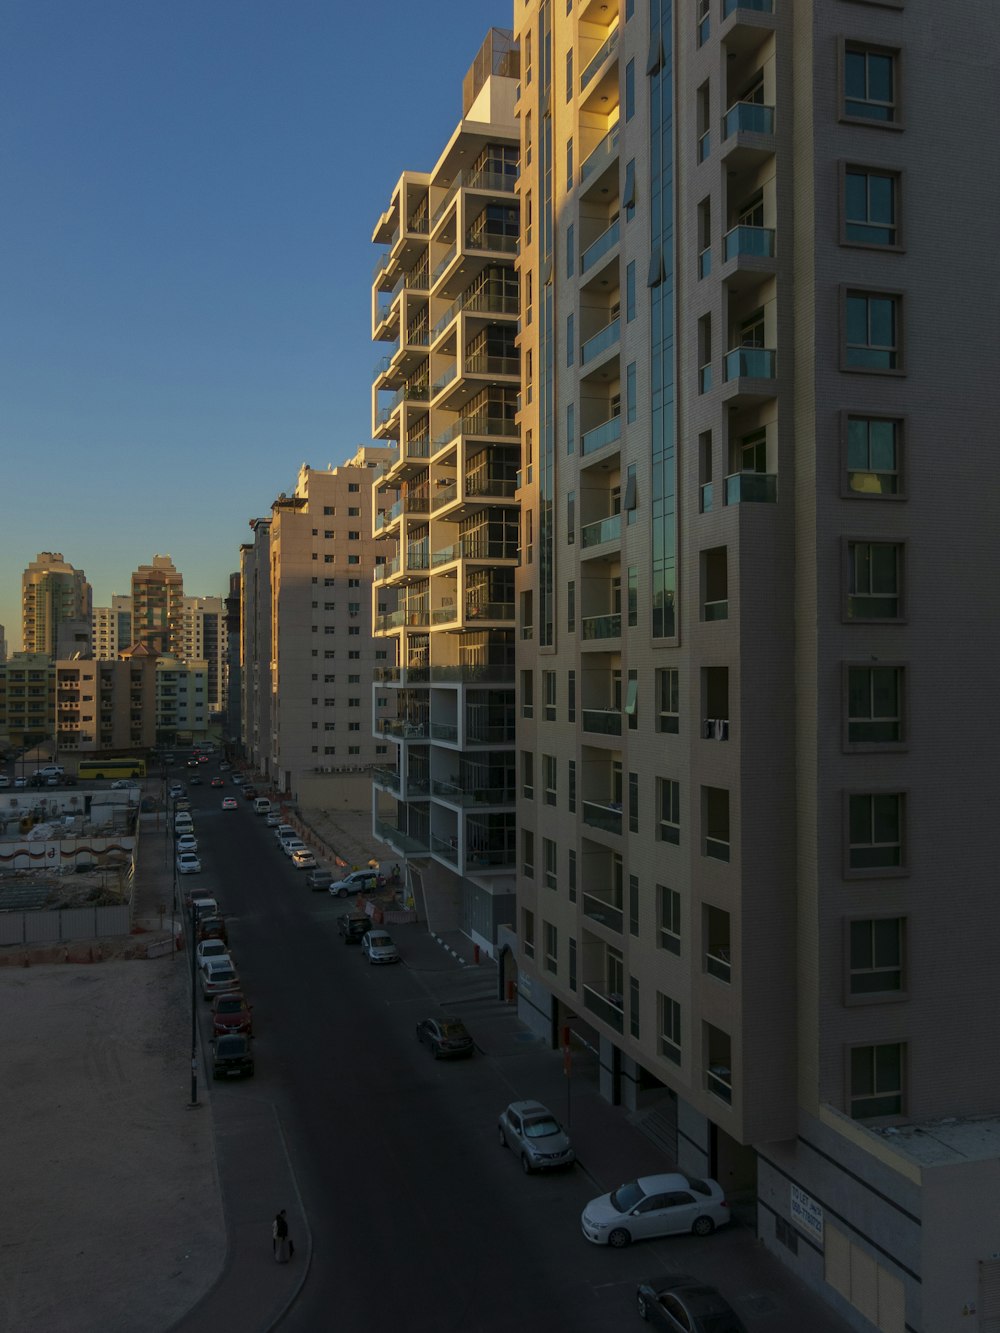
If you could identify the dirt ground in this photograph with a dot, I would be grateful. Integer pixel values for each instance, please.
(111, 1218)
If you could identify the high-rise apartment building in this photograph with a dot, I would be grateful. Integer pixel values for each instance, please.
(743, 781)
(309, 652)
(55, 607)
(181, 701)
(201, 636)
(445, 299)
(112, 628)
(157, 605)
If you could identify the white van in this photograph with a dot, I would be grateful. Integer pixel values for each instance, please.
(261, 805)
(183, 823)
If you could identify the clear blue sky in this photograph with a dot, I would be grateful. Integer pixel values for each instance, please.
(189, 191)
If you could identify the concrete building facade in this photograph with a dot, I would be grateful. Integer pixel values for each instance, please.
(158, 605)
(201, 636)
(444, 305)
(104, 705)
(56, 604)
(741, 785)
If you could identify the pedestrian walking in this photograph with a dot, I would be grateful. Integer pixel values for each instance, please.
(281, 1241)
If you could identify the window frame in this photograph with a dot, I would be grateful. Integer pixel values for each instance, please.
(901, 744)
(853, 45)
(897, 297)
(900, 617)
(674, 930)
(852, 1099)
(846, 167)
(859, 872)
(900, 420)
(890, 996)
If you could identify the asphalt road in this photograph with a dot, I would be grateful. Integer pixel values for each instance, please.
(419, 1219)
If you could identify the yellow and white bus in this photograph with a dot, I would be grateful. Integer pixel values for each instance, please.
(111, 768)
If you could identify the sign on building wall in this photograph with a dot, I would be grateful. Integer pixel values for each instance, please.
(806, 1214)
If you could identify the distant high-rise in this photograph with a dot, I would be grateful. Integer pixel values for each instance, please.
(157, 605)
(55, 607)
(112, 628)
(201, 637)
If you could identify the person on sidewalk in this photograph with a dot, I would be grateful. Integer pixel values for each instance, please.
(281, 1242)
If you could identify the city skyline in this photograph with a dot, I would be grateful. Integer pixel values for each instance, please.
(186, 275)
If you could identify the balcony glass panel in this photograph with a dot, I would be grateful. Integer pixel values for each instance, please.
(602, 627)
(750, 362)
(386, 777)
(604, 530)
(705, 263)
(445, 847)
(706, 498)
(412, 844)
(717, 610)
(604, 913)
(755, 487)
(717, 964)
(600, 342)
(606, 433)
(602, 54)
(605, 242)
(755, 241)
(481, 364)
(444, 731)
(608, 818)
(704, 146)
(608, 1008)
(757, 6)
(719, 1079)
(601, 155)
(603, 721)
(748, 118)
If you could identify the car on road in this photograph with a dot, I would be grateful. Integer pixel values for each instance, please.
(249, 793)
(187, 842)
(225, 766)
(217, 782)
(290, 845)
(188, 863)
(231, 1013)
(218, 976)
(378, 947)
(4, 780)
(355, 882)
(213, 948)
(212, 927)
(665, 1205)
(533, 1132)
(272, 819)
(195, 781)
(684, 1304)
(319, 878)
(176, 789)
(447, 1037)
(20, 781)
(192, 896)
(232, 1056)
(283, 831)
(124, 784)
(303, 859)
(192, 763)
(203, 904)
(353, 926)
(238, 779)
(230, 803)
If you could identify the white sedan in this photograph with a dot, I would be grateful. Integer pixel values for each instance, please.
(377, 945)
(292, 845)
(303, 859)
(652, 1206)
(211, 949)
(187, 842)
(188, 864)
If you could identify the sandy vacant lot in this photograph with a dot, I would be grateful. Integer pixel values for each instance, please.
(110, 1217)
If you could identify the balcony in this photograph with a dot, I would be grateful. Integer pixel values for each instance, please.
(459, 794)
(754, 6)
(446, 848)
(604, 530)
(601, 158)
(609, 1008)
(400, 729)
(602, 721)
(749, 375)
(601, 342)
(444, 731)
(594, 65)
(479, 424)
(387, 778)
(601, 627)
(757, 242)
(408, 844)
(752, 488)
(747, 135)
(607, 818)
(608, 432)
(748, 118)
(598, 249)
(606, 913)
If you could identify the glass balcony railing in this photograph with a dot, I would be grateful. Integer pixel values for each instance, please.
(607, 240)
(604, 913)
(492, 240)
(748, 118)
(750, 363)
(601, 156)
(757, 6)
(717, 610)
(607, 818)
(608, 1008)
(604, 530)
(705, 379)
(443, 380)
(603, 721)
(413, 844)
(598, 436)
(444, 615)
(599, 58)
(482, 364)
(480, 423)
(445, 260)
(752, 488)
(704, 145)
(387, 777)
(705, 263)
(600, 342)
(757, 242)
(706, 497)
(602, 627)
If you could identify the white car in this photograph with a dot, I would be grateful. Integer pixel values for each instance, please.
(355, 882)
(272, 819)
(378, 947)
(188, 864)
(124, 784)
(292, 845)
(218, 975)
(651, 1206)
(303, 859)
(283, 831)
(187, 842)
(212, 949)
(4, 780)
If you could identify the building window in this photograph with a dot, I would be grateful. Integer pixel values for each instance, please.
(668, 795)
(669, 908)
(550, 863)
(629, 90)
(527, 694)
(354, 726)
(630, 394)
(572, 963)
(870, 207)
(570, 517)
(551, 945)
(528, 933)
(569, 163)
(875, 831)
(354, 560)
(874, 705)
(630, 292)
(329, 509)
(870, 84)
(633, 905)
(570, 326)
(527, 853)
(549, 695)
(571, 696)
(873, 332)
(571, 874)
(354, 630)
(570, 427)
(571, 786)
(874, 580)
(668, 697)
(528, 774)
(874, 448)
(876, 956)
(715, 822)
(549, 779)
(877, 1080)
(353, 487)
(570, 234)
(628, 192)
(704, 21)
(633, 803)
(670, 1028)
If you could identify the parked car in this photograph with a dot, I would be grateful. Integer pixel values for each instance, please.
(238, 779)
(230, 803)
(683, 1304)
(176, 789)
(284, 831)
(231, 1013)
(181, 805)
(20, 781)
(4, 780)
(378, 947)
(303, 859)
(187, 842)
(249, 793)
(191, 896)
(353, 927)
(272, 819)
(665, 1205)
(124, 784)
(203, 905)
(225, 766)
(534, 1133)
(188, 863)
(319, 878)
(217, 782)
(355, 882)
(232, 1056)
(212, 928)
(213, 948)
(195, 781)
(290, 845)
(447, 1037)
(217, 976)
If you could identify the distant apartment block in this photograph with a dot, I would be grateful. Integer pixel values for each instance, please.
(104, 705)
(55, 607)
(157, 605)
(112, 628)
(27, 699)
(182, 711)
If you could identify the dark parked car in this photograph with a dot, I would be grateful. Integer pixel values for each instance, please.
(212, 928)
(447, 1037)
(353, 927)
(232, 1056)
(231, 1013)
(683, 1304)
(249, 793)
(319, 878)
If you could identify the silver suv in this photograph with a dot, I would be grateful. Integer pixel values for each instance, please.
(355, 882)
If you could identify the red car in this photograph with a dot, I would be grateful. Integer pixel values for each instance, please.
(231, 1013)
